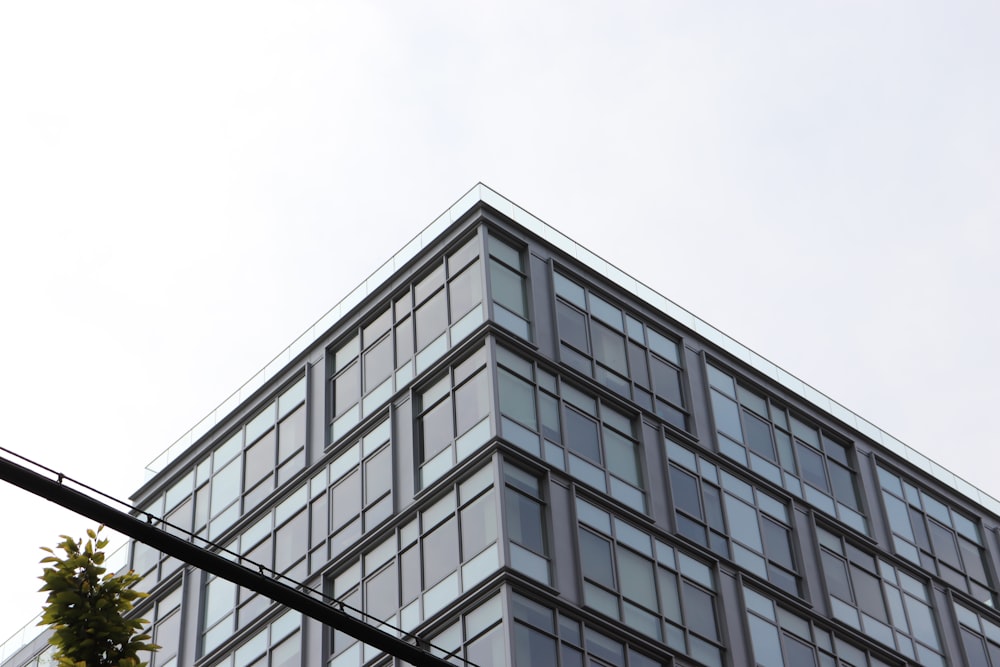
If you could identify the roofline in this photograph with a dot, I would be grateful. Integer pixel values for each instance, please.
(483, 194)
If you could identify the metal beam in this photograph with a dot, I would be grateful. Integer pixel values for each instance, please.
(201, 558)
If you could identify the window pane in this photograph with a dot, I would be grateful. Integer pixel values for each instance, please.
(440, 552)
(346, 389)
(944, 543)
(550, 417)
(758, 434)
(667, 380)
(432, 319)
(972, 560)
(670, 605)
(533, 649)
(225, 486)
(378, 363)
(637, 361)
(727, 416)
(622, 457)
(685, 492)
(605, 311)
(378, 475)
(766, 645)
(220, 595)
(517, 399)
(581, 435)
(843, 485)
(636, 574)
(466, 291)
(346, 499)
(508, 289)
(427, 286)
(437, 428)
(404, 340)
(743, 523)
(289, 541)
(595, 552)
(699, 611)
(778, 547)
(479, 525)
(868, 590)
(975, 652)
(572, 327)
(799, 653)
(488, 650)
(471, 402)
(292, 433)
(525, 522)
(836, 576)
(811, 466)
(259, 461)
(381, 597)
(609, 348)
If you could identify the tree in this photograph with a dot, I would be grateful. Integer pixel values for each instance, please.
(86, 607)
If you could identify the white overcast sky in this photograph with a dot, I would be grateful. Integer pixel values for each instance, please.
(186, 187)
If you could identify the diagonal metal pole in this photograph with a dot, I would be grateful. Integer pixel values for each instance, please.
(137, 529)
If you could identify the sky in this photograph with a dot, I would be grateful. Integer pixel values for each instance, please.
(186, 187)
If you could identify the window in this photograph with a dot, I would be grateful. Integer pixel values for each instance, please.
(165, 624)
(883, 601)
(980, 638)
(425, 565)
(652, 587)
(351, 495)
(936, 537)
(604, 342)
(571, 430)
(545, 637)
(275, 452)
(278, 644)
(476, 637)
(274, 542)
(781, 638)
(734, 519)
(526, 525)
(262, 455)
(509, 287)
(454, 416)
(763, 435)
(405, 337)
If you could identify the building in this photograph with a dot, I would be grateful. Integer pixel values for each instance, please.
(515, 451)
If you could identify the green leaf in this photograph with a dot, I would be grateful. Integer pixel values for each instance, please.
(86, 606)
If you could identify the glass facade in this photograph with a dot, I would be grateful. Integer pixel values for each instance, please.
(732, 518)
(405, 336)
(619, 350)
(783, 638)
(570, 429)
(776, 443)
(942, 540)
(504, 455)
(885, 602)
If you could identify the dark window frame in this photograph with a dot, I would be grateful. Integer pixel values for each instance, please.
(923, 509)
(869, 577)
(790, 432)
(612, 427)
(670, 404)
(713, 479)
(399, 334)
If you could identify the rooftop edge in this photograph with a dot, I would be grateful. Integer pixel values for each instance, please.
(481, 193)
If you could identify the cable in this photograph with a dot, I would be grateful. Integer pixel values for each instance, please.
(264, 571)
